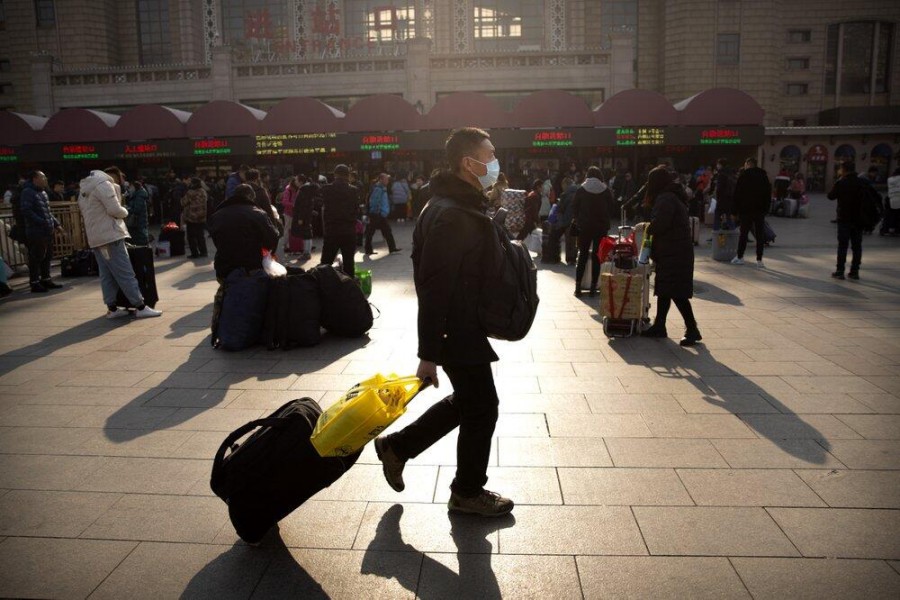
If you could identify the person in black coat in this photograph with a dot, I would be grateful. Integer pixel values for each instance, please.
(449, 243)
(340, 204)
(848, 191)
(591, 219)
(672, 251)
(240, 231)
(40, 225)
(752, 196)
(724, 193)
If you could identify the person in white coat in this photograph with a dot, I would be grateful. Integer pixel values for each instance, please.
(100, 201)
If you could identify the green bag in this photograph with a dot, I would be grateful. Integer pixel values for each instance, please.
(364, 279)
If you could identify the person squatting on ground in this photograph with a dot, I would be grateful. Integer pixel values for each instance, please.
(448, 246)
(241, 230)
(340, 203)
(591, 219)
(672, 253)
(848, 190)
(193, 215)
(40, 225)
(379, 209)
(101, 207)
(752, 197)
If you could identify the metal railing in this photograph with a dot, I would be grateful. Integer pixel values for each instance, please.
(67, 213)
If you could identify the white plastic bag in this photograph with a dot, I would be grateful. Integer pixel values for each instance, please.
(712, 206)
(271, 266)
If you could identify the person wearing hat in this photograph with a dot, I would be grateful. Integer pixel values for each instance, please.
(339, 206)
(672, 252)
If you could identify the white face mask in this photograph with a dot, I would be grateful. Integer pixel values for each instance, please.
(493, 171)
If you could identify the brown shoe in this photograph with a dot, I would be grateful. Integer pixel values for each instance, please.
(390, 464)
(485, 504)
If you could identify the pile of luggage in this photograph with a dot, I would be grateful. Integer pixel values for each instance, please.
(288, 312)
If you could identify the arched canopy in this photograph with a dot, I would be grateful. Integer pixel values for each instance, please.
(382, 112)
(224, 118)
(17, 129)
(151, 122)
(720, 106)
(301, 115)
(463, 109)
(790, 152)
(882, 151)
(79, 125)
(636, 107)
(552, 108)
(845, 151)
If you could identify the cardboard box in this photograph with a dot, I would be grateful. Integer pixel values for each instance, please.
(621, 295)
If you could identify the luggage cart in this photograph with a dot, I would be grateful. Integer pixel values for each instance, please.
(623, 261)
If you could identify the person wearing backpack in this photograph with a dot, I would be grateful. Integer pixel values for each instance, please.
(379, 209)
(591, 218)
(450, 243)
(725, 184)
(850, 193)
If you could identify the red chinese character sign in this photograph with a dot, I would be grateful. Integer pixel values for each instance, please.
(817, 154)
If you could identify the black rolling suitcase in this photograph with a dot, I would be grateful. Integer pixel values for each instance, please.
(175, 237)
(275, 470)
(293, 311)
(142, 262)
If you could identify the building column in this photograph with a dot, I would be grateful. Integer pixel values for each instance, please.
(463, 27)
(874, 66)
(222, 74)
(41, 84)
(555, 31)
(839, 66)
(212, 36)
(622, 67)
(418, 73)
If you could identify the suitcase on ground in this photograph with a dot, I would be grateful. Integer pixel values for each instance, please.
(175, 237)
(239, 310)
(293, 311)
(275, 470)
(695, 230)
(345, 310)
(81, 263)
(141, 258)
(790, 207)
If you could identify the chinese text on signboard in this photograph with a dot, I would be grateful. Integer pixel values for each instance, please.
(380, 142)
(556, 139)
(211, 146)
(295, 144)
(720, 136)
(8, 154)
(79, 151)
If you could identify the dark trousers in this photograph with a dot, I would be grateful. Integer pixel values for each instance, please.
(849, 235)
(756, 224)
(196, 237)
(588, 244)
(346, 244)
(40, 251)
(473, 407)
(379, 223)
(663, 303)
(556, 235)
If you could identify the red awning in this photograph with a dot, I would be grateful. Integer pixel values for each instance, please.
(151, 122)
(17, 129)
(301, 115)
(720, 106)
(466, 109)
(384, 112)
(636, 107)
(552, 108)
(224, 118)
(79, 125)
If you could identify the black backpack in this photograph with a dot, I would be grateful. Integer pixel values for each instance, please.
(293, 311)
(345, 310)
(508, 300)
(870, 207)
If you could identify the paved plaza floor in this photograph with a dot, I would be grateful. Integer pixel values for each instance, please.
(763, 463)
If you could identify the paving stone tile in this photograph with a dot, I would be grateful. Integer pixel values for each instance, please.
(23, 415)
(243, 381)
(534, 369)
(874, 427)
(212, 419)
(729, 403)
(817, 579)
(747, 487)
(663, 452)
(191, 381)
(145, 475)
(128, 417)
(366, 483)
(617, 486)
(701, 530)
(525, 485)
(267, 400)
(90, 396)
(35, 472)
(57, 568)
(867, 454)
(135, 443)
(544, 403)
(819, 404)
(103, 379)
(809, 427)
(580, 385)
(463, 575)
(42, 440)
(633, 403)
(341, 574)
(697, 426)
(196, 444)
(573, 530)
(609, 425)
(521, 425)
(672, 577)
(315, 524)
(161, 518)
(164, 570)
(880, 403)
(777, 454)
(824, 384)
(841, 532)
(178, 397)
(889, 384)
(553, 452)
(34, 513)
(322, 381)
(856, 489)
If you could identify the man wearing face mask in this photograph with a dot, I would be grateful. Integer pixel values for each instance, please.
(449, 242)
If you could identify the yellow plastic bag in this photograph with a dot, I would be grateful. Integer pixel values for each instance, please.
(363, 413)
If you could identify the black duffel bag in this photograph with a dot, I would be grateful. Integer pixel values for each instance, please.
(345, 310)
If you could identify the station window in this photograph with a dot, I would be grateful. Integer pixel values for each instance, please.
(389, 23)
(798, 64)
(155, 45)
(799, 36)
(866, 45)
(797, 89)
(45, 13)
(494, 23)
(728, 49)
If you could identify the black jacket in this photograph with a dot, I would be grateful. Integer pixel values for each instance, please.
(724, 192)
(753, 192)
(448, 246)
(340, 203)
(306, 201)
(240, 230)
(673, 247)
(590, 208)
(848, 191)
(34, 206)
